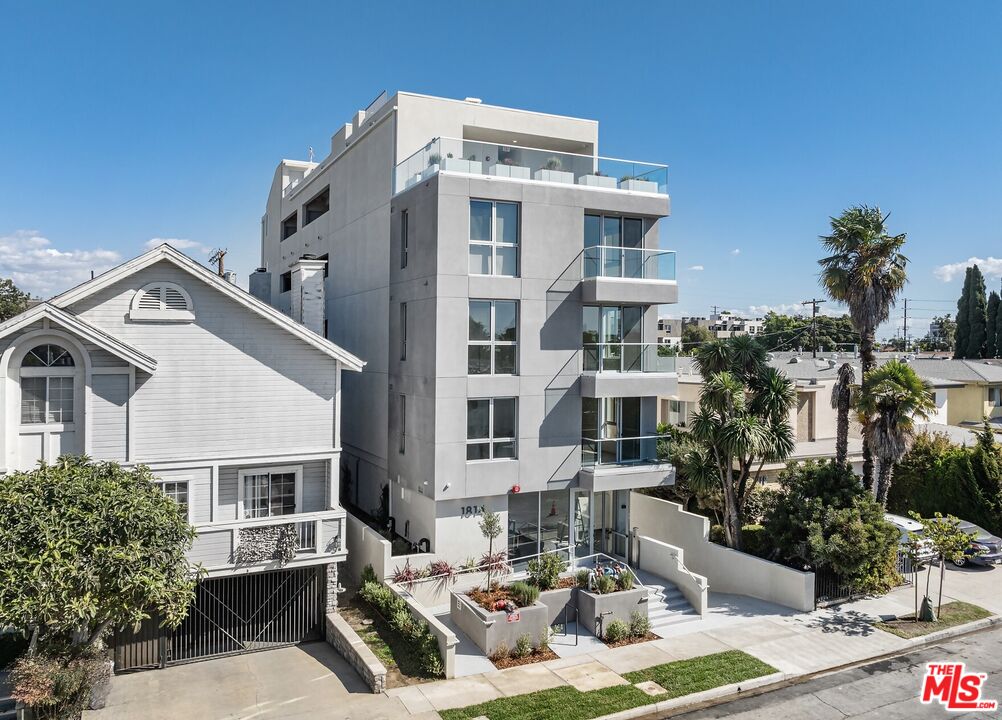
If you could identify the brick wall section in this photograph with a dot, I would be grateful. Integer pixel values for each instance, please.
(332, 587)
(351, 647)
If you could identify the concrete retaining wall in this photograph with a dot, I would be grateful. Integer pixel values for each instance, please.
(668, 561)
(368, 547)
(726, 570)
(447, 639)
(353, 649)
(597, 611)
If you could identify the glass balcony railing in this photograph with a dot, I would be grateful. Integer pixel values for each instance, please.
(627, 357)
(623, 451)
(614, 261)
(522, 163)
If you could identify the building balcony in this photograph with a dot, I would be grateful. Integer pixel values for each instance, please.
(515, 162)
(629, 276)
(627, 370)
(274, 542)
(623, 463)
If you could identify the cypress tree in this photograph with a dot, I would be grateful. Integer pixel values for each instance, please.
(991, 344)
(963, 331)
(977, 316)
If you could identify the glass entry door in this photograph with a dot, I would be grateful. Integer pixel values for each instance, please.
(611, 521)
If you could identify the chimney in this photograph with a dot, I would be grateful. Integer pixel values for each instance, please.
(308, 301)
(259, 284)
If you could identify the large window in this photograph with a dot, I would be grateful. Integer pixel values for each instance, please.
(612, 338)
(616, 236)
(290, 225)
(269, 492)
(493, 238)
(46, 391)
(317, 207)
(537, 523)
(490, 429)
(493, 341)
(610, 432)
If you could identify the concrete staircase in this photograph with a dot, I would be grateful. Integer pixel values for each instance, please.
(666, 606)
(7, 704)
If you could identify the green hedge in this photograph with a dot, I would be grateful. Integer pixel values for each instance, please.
(396, 612)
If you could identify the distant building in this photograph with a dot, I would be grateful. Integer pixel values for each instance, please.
(726, 324)
(670, 331)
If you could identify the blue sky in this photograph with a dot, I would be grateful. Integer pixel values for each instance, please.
(126, 122)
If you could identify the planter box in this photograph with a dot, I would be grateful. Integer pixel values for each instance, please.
(619, 605)
(555, 602)
(429, 171)
(474, 167)
(510, 171)
(489, 629)
(639, 185)
(602, 181)
(558, 176)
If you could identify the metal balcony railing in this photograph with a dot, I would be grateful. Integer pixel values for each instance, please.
(642, 449)
(614, 261)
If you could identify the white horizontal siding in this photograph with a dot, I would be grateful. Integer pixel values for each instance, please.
(212, 548)
(231, 382)
(199, 490)
(108, 417)
(314, 486)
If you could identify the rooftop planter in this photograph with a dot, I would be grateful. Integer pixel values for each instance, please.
(509, 170)
(598, 180)
(552, 172)
(470, 165)
(637, 185)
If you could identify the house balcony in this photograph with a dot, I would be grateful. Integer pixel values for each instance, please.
(611, 274)
(627, 370)
(515, 162)
(624, 463)
(281, 541)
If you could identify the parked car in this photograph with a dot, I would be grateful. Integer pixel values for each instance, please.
(907, 525)
(985, 548)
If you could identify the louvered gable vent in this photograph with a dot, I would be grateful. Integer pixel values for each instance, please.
(162, 302)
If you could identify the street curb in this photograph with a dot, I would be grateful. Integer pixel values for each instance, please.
(775, 681)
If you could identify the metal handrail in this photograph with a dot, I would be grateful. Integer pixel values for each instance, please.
(636, 577)
(545, 150)
(632, 437)
(688, 572)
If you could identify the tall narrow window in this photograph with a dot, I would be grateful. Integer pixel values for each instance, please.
(317, 207)
(285, 282)
(494, 236)
(290, 225)
(403, 331)
(178, 492)
(491, 429)
(46, 390)
(403, 423)
(404, 237)
(493, 339)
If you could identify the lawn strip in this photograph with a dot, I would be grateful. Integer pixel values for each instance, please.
(953, 614)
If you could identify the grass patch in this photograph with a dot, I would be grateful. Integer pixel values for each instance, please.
(392, 650)
(679, 678)
(952, 614)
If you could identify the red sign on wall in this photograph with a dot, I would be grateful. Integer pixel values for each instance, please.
(514, 617)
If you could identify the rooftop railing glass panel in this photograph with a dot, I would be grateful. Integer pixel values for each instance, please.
(614, 261)
(623, 451)
(522, 163)
(628, 357)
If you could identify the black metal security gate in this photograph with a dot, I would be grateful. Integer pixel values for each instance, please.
(232, 615)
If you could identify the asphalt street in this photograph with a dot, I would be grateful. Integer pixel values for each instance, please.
(888, 689)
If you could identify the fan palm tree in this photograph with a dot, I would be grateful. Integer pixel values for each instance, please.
(891, 398)
(841, 402)
(866, 271)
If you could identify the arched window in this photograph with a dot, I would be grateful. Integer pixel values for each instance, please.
(47, 375)
(162, 302)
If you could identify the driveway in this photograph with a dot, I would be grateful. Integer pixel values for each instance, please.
(309, 680)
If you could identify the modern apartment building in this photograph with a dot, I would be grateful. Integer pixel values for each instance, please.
(501, 278)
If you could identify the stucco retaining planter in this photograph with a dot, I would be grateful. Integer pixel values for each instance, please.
(489, 629)
(597, 611)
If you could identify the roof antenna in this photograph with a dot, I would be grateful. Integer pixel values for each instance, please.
(311, 153)
(217, 258)
(91, 274)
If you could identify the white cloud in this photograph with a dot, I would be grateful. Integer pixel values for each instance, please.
(42, 270)
(990, 266)
(696, 267)
(181, 244)
(736, 251)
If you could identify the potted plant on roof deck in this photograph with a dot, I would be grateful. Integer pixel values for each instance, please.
(598, 179)
(551, 171)
(637, 184)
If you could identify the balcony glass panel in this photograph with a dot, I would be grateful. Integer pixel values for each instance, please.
(627, 357)
(627, 263)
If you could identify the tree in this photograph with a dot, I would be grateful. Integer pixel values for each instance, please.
(824, 518)
(991, 343)
(866, 271)
(12, 300)
(949, 542)
(841, 402)
(889, 401)
(963, 333)
(784, 332)
(88, 546)
(977, 316)
(944, 336)
(742, 422)
(490, 528)
(694, 335)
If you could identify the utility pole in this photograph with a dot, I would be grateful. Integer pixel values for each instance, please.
(906, 325)
(217, 258)
(814, 302)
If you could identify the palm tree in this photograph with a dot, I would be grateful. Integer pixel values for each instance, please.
(841, 402)
(742, 420)
(866, 271)
(890, 399)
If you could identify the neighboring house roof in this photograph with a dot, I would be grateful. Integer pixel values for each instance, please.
(959, 435)
(82, 328)
(182, 261)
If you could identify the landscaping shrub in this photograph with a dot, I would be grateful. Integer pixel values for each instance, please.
(405, 575)
(544, 640)
(640, 624)
(544, 572)
(582, 578)
(604, 584)
(523, 593)
(717, 535)
(369, 575)
(442, 569)
(395, 611)
(523, 646)
(56, 686)
(501, 652)
(617, 630)
(625, 580)
(755, 542)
